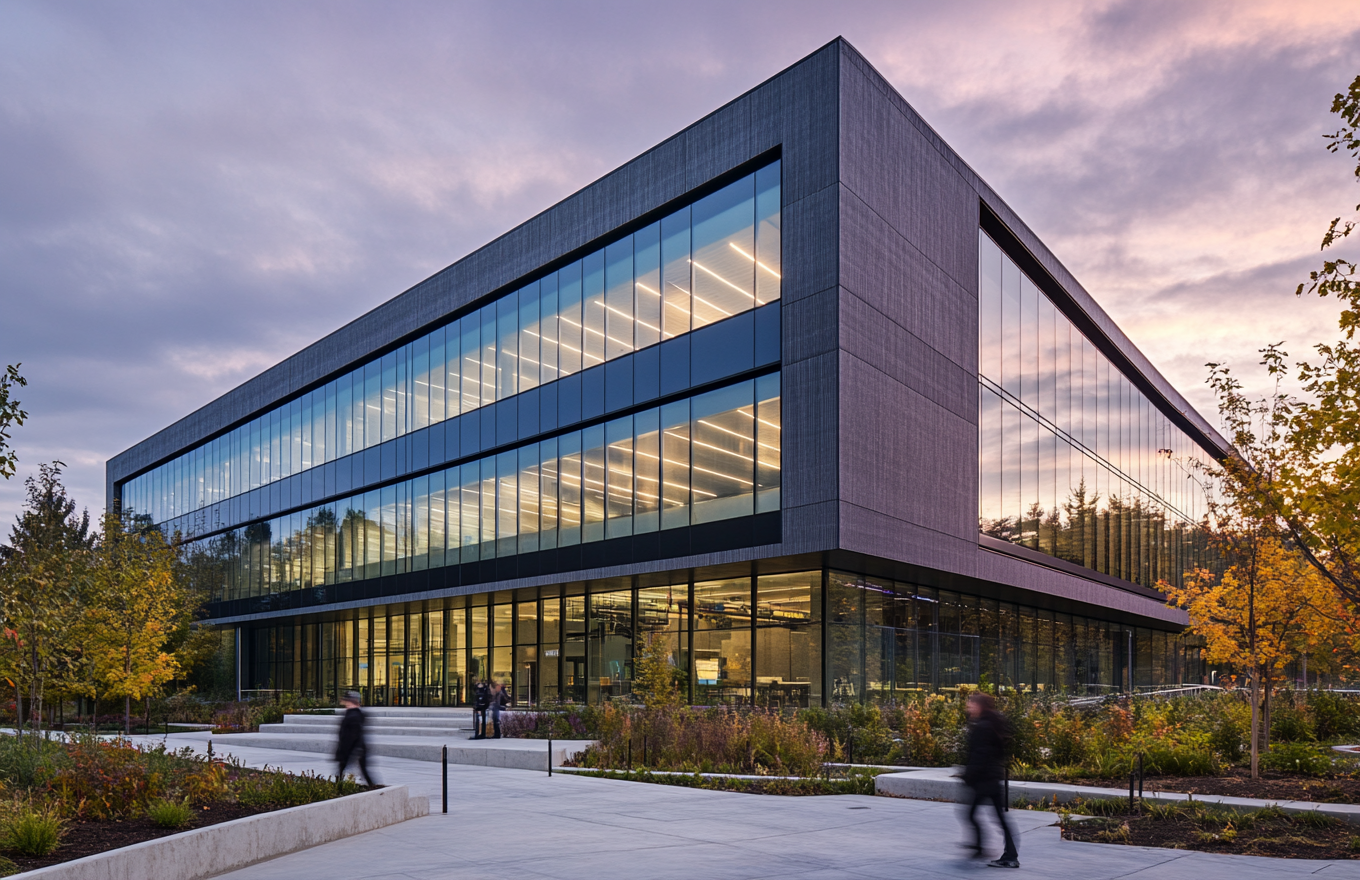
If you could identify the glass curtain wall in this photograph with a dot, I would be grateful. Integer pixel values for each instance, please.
(710, 260)
(1074, 460)
(709, 458)
(878, 641)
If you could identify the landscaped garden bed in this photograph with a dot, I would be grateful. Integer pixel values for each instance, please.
(1205, 828)
(64, 801)
(1195, 744)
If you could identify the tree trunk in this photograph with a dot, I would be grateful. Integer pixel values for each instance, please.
(1255, 728)
(1265, 718)
(19, 707)
(127, 714)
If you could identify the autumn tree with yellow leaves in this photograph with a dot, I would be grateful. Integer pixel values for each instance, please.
(138, 602)
(1265, 611)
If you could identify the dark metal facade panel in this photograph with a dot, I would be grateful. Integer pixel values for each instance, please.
(809, 470)
(888, 272)
(890, 348)
(904, 456)
(903, 176)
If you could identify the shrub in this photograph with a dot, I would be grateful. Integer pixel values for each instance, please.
(9, 869)
(288, 789)
(1290, 723)
(1303, 758)
(1180, 760)
(170, 814)
(107, 780)
(1228, 735)
(33, 831)
(1334, 715)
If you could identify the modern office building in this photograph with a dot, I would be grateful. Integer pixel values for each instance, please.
(794, 391)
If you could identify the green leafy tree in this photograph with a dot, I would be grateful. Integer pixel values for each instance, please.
(10, 416)
(654, 677)
(42, 575)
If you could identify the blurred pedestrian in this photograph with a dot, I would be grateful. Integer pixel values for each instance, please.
(500, 698)
(351, 742)
(481, 701)
(989, 736)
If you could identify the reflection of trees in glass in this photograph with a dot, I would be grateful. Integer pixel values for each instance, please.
(1128, 536)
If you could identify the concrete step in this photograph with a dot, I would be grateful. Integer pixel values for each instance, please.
(370, 729)
(414, 711)
(385, 721)
(517, 754)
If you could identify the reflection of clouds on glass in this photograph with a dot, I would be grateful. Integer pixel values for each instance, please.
(1074, 460)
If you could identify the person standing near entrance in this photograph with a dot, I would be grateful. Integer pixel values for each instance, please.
(351, 742)
(499, 699)
(481, 701)
(989, 736)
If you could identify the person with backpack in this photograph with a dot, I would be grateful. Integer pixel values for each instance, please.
(481, 701)
(989, 737)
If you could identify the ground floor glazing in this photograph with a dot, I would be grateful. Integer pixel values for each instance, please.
(793, 639)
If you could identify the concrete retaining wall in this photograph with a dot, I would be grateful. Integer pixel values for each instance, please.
(942, 785)
(205, 852)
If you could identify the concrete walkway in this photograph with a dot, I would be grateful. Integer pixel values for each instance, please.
(515, 823)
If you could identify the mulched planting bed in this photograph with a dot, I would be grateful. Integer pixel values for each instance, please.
(1237, 782)
(1275, 836)
(86, 838)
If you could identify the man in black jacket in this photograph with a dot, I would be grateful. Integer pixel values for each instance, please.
(352, 739)
(989, 737)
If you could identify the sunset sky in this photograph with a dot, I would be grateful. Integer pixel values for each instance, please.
(191, 192)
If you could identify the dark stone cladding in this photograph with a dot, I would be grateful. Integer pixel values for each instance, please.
(878, 335)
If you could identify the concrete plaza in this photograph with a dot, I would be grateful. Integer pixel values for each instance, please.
(517, 823)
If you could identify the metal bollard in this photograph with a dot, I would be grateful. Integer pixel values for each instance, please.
(446, 779)
(1140, 776)
(549, 756)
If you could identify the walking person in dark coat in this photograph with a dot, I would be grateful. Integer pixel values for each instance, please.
(499, 700)
(351, 742)
(989, 737)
